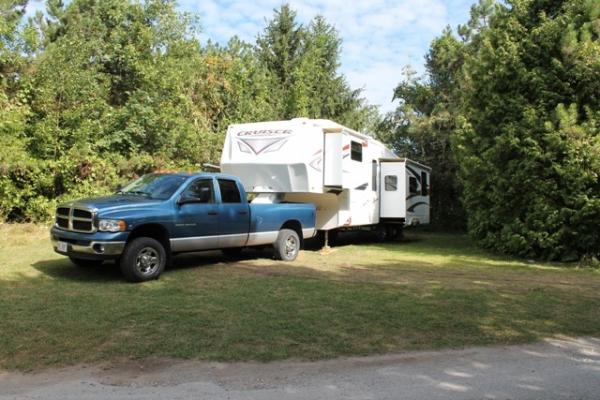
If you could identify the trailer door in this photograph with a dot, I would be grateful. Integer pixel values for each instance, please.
(333, 159)
(392, 189)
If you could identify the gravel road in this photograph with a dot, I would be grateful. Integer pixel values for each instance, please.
(559, 368)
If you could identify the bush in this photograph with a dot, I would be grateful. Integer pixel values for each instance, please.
(30, 189)
(528, 146)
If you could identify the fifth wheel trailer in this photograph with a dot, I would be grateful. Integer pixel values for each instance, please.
(353, 179)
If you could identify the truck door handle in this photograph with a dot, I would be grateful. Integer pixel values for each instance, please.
(213, 213)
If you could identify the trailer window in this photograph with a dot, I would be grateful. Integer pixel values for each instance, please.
(412, 185)
(355, 151)
(229, 191)
(391, 183)
(424, 185)
(374, 175)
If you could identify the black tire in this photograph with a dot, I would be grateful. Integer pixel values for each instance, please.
(381, 233)
(232, 251)
(82, 262)
(394, 232)
(287, 245)
(144, 259)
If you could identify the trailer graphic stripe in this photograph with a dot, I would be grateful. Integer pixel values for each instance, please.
(412, 208)
(412, 171)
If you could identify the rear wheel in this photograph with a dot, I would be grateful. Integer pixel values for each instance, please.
(287, 245)
(82, 262)
(144, 259)
(381, 233)
(394, 232)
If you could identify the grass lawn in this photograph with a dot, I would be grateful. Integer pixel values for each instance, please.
(429, 291)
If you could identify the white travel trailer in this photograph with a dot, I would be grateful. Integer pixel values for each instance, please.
(354, 180)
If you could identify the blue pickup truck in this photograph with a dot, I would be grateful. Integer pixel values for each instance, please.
(162, 214)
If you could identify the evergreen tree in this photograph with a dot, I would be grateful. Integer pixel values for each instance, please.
(13, 95)
(422, 125)
(281, 46)
(528, 143)
(95, 92)
(305, 61)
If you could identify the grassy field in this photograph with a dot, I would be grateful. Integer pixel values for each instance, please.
(429, 291)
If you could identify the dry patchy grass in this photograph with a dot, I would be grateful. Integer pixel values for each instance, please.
(429, 291)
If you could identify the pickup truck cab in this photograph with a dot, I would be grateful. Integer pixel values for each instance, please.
(162, 214)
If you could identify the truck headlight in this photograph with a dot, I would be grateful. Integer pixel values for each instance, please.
(111, 225)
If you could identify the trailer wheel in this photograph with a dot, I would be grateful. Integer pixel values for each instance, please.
(287, 245)
(381, 233)
(144, 259)
(394, 232)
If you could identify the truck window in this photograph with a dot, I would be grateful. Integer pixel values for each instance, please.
(229, 191)
(412, 185)
(200, 190)
(424, 185)
(355, 151)
(155, 186)
(391, 183)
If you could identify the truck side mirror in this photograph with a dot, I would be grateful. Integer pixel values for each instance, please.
(205, 196)
(184, 200)
(187, 200)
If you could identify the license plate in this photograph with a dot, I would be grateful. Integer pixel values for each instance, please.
(62, 246)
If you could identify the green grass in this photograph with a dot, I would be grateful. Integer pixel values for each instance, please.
(430, 291)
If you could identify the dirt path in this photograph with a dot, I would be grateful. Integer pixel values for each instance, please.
(562, 368)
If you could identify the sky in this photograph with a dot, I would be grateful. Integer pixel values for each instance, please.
(379, 37)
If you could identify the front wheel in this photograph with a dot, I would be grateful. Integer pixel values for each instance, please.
(144, 259)
(287, 245)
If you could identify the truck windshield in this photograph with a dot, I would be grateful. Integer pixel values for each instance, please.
(154, 186)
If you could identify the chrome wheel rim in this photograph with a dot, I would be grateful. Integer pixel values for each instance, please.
(291, 246)
(147, 261)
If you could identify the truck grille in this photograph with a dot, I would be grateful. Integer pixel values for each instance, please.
(75, 219)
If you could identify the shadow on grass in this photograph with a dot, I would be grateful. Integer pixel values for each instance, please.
(358, 237)
(207, 259)
(110, 271)
(64, 269)
(267, 315)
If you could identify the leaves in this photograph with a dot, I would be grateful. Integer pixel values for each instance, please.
(529, 165)
(129, 82)
(508, 117)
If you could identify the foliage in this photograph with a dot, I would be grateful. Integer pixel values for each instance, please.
(422, 125)
(511, 108)
(93, 92)
(31, 188)
(508, 113)
(304, 61)
(528, 145)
